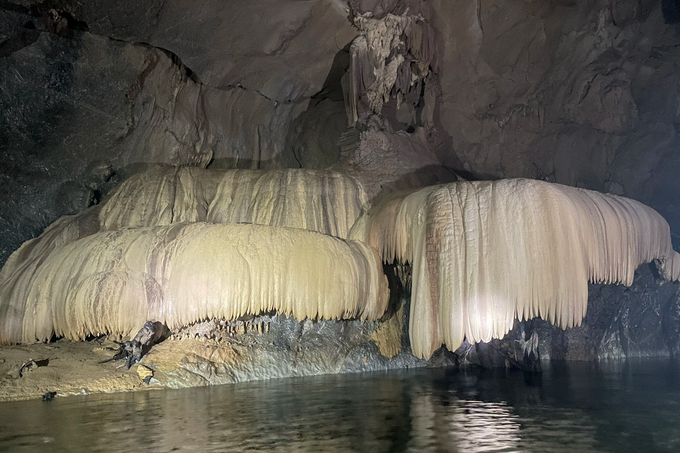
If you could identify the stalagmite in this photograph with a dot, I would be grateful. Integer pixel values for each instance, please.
(485, 253)
(115, 281)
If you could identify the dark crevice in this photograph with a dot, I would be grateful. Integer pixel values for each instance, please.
(64, 24)
(17, 42)
(314, 134)
(332, 86)
(241, 87)
(671, 11)
(188, 73)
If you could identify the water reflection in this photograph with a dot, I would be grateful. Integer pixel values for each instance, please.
(467, 426)
(622, 407)
(483, 427)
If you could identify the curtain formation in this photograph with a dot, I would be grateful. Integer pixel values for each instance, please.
(485, 253)
(181, 245)
(114, 281)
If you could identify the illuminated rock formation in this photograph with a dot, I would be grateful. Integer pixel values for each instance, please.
(323, 201)
(113, 282)
(482, 254)
(314, 200)
(486, 253)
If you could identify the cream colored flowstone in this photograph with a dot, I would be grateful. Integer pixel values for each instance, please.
(114, 281)
(317, 200)
(485, 253)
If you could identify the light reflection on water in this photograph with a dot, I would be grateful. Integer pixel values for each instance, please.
(614, 407)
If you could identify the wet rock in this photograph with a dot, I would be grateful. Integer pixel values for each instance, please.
(286, 348)
(31, 365)
(670, 325)
(622, 322)
(144, 373)
(388, 336)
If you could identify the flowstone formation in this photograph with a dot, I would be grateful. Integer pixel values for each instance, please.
(486, 253)
(150, 255)
(176, 247)
(289, 209)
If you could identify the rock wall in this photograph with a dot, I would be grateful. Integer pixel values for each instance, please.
(91, 91)
(275, 346)
(214, 352)
(397, 92)
(579, 93)
(583, 94)
(642, 320)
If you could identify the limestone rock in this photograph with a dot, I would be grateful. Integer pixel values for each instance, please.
(255, 44)
(517, 78)
(144, 373)
(288, 348)
(73, 102)
(622, 322)
(388, 335)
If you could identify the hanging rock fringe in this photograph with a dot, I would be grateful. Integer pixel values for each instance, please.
(484, 253)
(114, 281)
(316, 200)
(324, 201)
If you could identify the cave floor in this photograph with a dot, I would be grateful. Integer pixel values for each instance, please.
(284, 348)
(67, 367)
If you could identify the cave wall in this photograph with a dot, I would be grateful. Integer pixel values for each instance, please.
(622, 322)
(579, 93)
(92, 92)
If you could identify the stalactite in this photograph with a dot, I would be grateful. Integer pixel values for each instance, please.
(114, 281)
(485, 253)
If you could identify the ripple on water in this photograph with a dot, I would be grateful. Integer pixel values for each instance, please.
(608, 407)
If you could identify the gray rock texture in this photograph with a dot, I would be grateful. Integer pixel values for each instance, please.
(266, 347)
(579, 93)
(642, 320)
(639, 321)
(91, 91)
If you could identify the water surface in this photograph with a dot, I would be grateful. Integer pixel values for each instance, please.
(604, 407)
